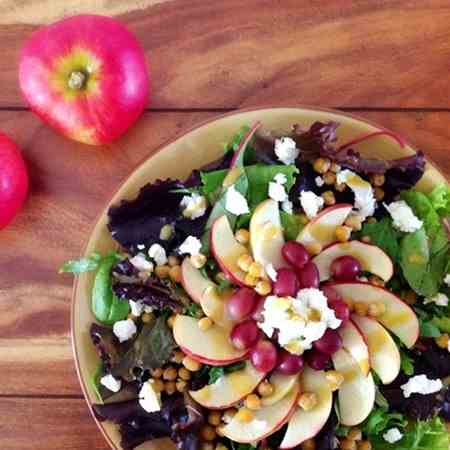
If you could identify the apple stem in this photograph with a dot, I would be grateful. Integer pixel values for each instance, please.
(76, 80)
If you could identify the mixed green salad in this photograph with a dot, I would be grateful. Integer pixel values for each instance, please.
(292, 294)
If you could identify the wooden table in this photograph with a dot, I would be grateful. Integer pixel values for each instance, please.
(388, 61)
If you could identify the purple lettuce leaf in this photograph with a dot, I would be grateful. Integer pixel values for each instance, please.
(326, 439)
(108, 347)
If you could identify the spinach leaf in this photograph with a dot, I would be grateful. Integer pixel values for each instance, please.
(106, 306)
(406, 362)
(193, 310)
(87, 264)
(152, 348)
(291, 225)
(440, 199)
(384, 235)
(380, 419)
(217, 372)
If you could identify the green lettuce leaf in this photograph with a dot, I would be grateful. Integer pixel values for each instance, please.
(291, 225)
(421, 435)
(380, 420)
(440, 199)
(442, 323)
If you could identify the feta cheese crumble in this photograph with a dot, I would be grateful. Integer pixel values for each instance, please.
(439, 299)
(277, 192)
(235, 202)
(280, 178)
(447, 279)
(190, 246)
(403, 217)
(140, 262)
(136, 308)
(286, 150)
(140, 246)
(287, 206)
(271, 272)
(300, 321)
(149, 400)
(319, 181)
(124, 329)
(111, 383)
(194, 205)
(158, 254)
(311, 203)
(420, 384)
(364, 199)
(393, 435)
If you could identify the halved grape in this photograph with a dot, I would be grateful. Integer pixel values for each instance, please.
(317, 360)
(345, 268)
(264, 356)
(289, 364)
(244, 334)
(241, 303)
(286, 284)
(309, 276)
(329, 343)
(295, 254)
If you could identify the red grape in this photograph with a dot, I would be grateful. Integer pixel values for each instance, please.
(295, 254)
(345, 268)
(244, 334)
(309, 276)
(289, 364)
(286, 284)
(13, 180)
(329, 343)
(264, 356)
(317, 360)
(258, 310)
(330, 293)
(241, 303)
(341, 310)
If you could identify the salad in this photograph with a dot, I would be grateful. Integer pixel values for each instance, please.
(292, 294)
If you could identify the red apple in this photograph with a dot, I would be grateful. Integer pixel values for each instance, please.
(13, 180)
(86, 76)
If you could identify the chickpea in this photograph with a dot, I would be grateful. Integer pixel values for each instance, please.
(253, 402)
(265, 389)
(242, 236)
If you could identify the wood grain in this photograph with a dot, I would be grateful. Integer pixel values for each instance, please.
(70, 184)
(40, 424)
(216, 54)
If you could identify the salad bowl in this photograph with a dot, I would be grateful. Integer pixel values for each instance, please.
(176, 160)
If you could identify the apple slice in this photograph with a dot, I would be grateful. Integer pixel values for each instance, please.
(322, 228)
(305, 425)
(227, 250)
(398, 318)
(214, 306)
(384, 353)
(282, 385)
(371, 258)
(229, 389)
(211, 347)
(357, 392)
(267, 251)
(353, 341)
(193, 281)
(266, 421)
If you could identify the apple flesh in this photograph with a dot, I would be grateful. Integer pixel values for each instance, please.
(214, 306)
(13, 180)
(357, 392)
(211, 347)
(86, 76)
(371, 258)
(322, 228)
(353, 341)
(266, 421)
(282, 385)
(229, 389)
(384, 353)
(193, 281)
(305, 425)
(227, 250)
(399, 318)
(267, 251)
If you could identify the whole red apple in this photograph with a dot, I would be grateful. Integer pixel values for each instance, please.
(13, 180)
(86, 76)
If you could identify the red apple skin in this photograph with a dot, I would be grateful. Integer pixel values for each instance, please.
(213, 362)
(117, 83)
(13, 180)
